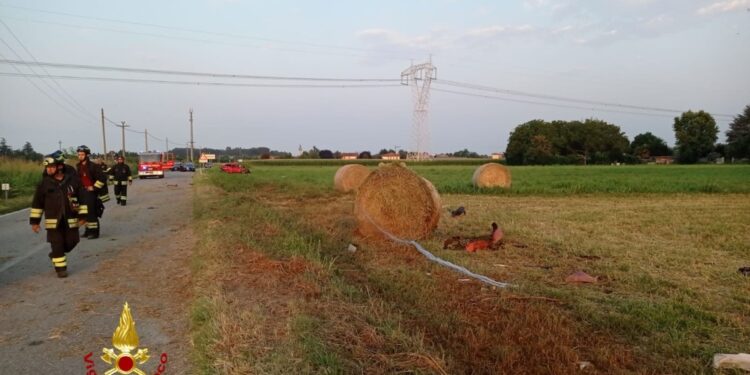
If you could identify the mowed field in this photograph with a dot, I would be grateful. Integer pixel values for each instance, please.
(278, 291)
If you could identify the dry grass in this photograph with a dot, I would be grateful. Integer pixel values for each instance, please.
(668, 298)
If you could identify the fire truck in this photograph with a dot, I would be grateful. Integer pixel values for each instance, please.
(150, 164)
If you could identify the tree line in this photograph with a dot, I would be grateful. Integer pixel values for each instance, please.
(595, 141)
(26, 152)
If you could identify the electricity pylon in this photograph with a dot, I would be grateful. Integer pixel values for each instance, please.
(419, 77)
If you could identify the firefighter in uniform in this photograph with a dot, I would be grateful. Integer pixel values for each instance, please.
(58, 197)
(95, 184)
(120, 173)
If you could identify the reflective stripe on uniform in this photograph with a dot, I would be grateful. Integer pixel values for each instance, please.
(123, 197)
(83, 209)
(72, 223)
(98, 184)
(59, 262)
(50, 223)
(36, 213)
(91, 225)
(104, 198)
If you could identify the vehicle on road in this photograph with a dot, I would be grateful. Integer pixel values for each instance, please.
(176, 167)
(150, 165)
(234, 168)
(187, 167)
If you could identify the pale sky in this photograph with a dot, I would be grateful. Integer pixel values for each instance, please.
(669, 54)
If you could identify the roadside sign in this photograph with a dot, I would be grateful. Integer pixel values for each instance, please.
(203, 160)
(208, 156)
(6, 186)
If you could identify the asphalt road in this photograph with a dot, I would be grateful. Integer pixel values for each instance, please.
(48, 325)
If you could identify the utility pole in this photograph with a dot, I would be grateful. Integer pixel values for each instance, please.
(167, 142)
(59, 145)
(191, 135)
(146, 134)
(123, 126)
(104, 138)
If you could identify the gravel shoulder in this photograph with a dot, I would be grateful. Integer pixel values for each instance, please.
(48, 325)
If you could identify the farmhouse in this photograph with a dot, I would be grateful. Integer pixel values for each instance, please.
(498, 156)
(349, 156)
(663, 159)
(390, 156)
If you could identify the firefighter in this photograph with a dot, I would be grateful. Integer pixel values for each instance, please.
(59, 198)
(122, 177)
(95, 184)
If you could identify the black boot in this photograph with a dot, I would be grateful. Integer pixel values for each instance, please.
(62, 272)
(93, 235)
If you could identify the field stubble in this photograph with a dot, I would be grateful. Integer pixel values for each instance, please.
(668, 297)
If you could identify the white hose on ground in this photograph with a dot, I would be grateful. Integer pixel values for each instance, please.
(438, 260)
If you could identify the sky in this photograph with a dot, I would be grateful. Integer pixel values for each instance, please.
(636, 64)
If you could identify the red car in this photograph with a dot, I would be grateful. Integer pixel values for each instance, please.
(234, 168)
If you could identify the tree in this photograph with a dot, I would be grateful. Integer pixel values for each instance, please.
(541, 142)
(738, 136)
(465, 153)
(386, 151)
(28, 153)
(364, 155)
(325, 154)
(646, 145)
(5, 150)
(540, 151)
(696, 134)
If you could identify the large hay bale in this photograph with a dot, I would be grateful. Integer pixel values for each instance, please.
(397, 200)
(491, 175)
(349, 177)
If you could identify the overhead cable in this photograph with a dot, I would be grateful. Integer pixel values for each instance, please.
(198, 74)
(561, 98)
(201, 83)
(68, 97)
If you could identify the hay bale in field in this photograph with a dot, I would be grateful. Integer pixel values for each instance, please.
(349, 177)
(491, 175)
(399, 201)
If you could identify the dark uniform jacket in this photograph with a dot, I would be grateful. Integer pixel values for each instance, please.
(121, 173)
(98, 178)
(59, 201)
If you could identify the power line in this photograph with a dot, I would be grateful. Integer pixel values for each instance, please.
(201, 83)
(28, 78)
(198, 74)
(562, 98)
(70, 98)
(550, 104)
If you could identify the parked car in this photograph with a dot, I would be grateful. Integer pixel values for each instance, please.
(188, 167)
(176, 166)
(234, 168)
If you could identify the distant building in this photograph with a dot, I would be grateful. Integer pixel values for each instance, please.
(663, 159)
(498, 156)
(390, 156)
(349, 156)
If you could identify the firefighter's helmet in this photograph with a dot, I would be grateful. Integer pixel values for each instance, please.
(55, 158)
(83, 148)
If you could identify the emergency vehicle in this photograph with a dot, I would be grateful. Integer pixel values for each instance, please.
(150, 164)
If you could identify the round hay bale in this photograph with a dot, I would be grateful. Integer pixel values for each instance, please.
(397, 200)
(491, 175)
(349, 177)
